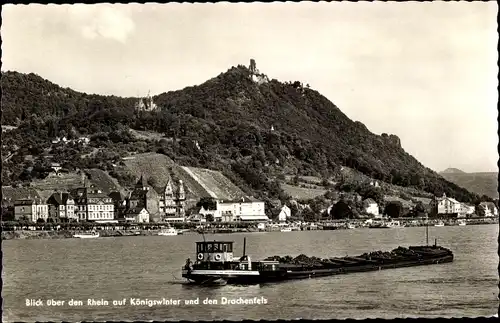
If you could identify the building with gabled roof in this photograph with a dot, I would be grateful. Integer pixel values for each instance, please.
(137, 215)
(143, 196)
(285, 214)
(11, 194)
(172, 201)
(245, 210)
(62, 207)
(31, 209)
(487, 209)
(445, 206)
(93, 205)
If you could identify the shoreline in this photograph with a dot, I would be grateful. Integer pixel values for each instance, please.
(68, 234)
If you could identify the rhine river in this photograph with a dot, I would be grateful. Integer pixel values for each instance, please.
(150, 267)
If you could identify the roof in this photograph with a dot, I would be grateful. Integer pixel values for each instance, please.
(11, 194)
(135, 210)
(242, 200)
(138, 194)
(59, 198)
(391, 198)
(28, 201)
(96, 195)
(424, 200)
(254, 217)
(369, 201)
(141, 182)
(117, 196)
(489, 205)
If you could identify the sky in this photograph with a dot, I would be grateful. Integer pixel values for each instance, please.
(426, 72)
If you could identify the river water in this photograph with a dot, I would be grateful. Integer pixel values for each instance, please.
(149, 267)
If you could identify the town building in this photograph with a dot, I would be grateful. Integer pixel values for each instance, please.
(93, 205)
(371, 207)
(31, 209)
(466, 210)
(172, 201)
(119, 202)
(487, 209)
(445, 206)
(137, 215)
(143, 196)
(285, 214)
(201, 215)
(62, 207)
(243, 210)
(207, 213)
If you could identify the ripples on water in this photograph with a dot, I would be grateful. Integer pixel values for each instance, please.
(149, 267)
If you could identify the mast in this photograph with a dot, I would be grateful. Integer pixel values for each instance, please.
(244, 246)
(427, 229)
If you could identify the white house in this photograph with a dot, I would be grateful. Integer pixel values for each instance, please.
(466, 210)
(228, 211)
(446, 205)
(285, 214)
(488, 209)
(31, 208)
(371, 207)
(137, 215)
(207, 212)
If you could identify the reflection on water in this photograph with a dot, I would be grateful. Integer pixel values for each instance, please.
(150, 267)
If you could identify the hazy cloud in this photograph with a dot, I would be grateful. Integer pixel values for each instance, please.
(102, 21)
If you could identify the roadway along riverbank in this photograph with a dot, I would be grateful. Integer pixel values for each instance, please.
(104, 233)
(65, 234)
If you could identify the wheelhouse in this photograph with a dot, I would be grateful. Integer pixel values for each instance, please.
(214, 251)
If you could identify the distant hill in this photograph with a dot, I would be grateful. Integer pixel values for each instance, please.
(240, 123)
(452, 171)
(479, 183)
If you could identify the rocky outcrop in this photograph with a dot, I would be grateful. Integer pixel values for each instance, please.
(392, 139)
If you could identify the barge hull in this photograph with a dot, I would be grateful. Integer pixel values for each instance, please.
(282, 275)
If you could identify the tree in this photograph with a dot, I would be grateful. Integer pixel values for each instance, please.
(40, 220)
(208, 203)
(152, 181)
(394, 209)
(331, 195)
(419, 208)
(7, 214)
(341, 210)
(210, 217)
(325, 182)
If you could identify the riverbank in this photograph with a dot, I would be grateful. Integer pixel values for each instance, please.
(107, 233)
(67, 234)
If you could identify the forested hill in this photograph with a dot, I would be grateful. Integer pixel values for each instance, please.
(247, 126)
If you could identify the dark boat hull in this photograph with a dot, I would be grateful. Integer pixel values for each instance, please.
(258, 277)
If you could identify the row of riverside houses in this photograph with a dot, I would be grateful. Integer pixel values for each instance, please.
(89, 203)
(435, 207)
(448, 206)
(143, 204)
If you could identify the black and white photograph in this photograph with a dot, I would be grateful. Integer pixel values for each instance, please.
(249, 161)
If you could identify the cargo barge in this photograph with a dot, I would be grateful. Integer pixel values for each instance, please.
(215, 264)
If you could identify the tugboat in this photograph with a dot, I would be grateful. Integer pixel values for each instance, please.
(215, 264)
